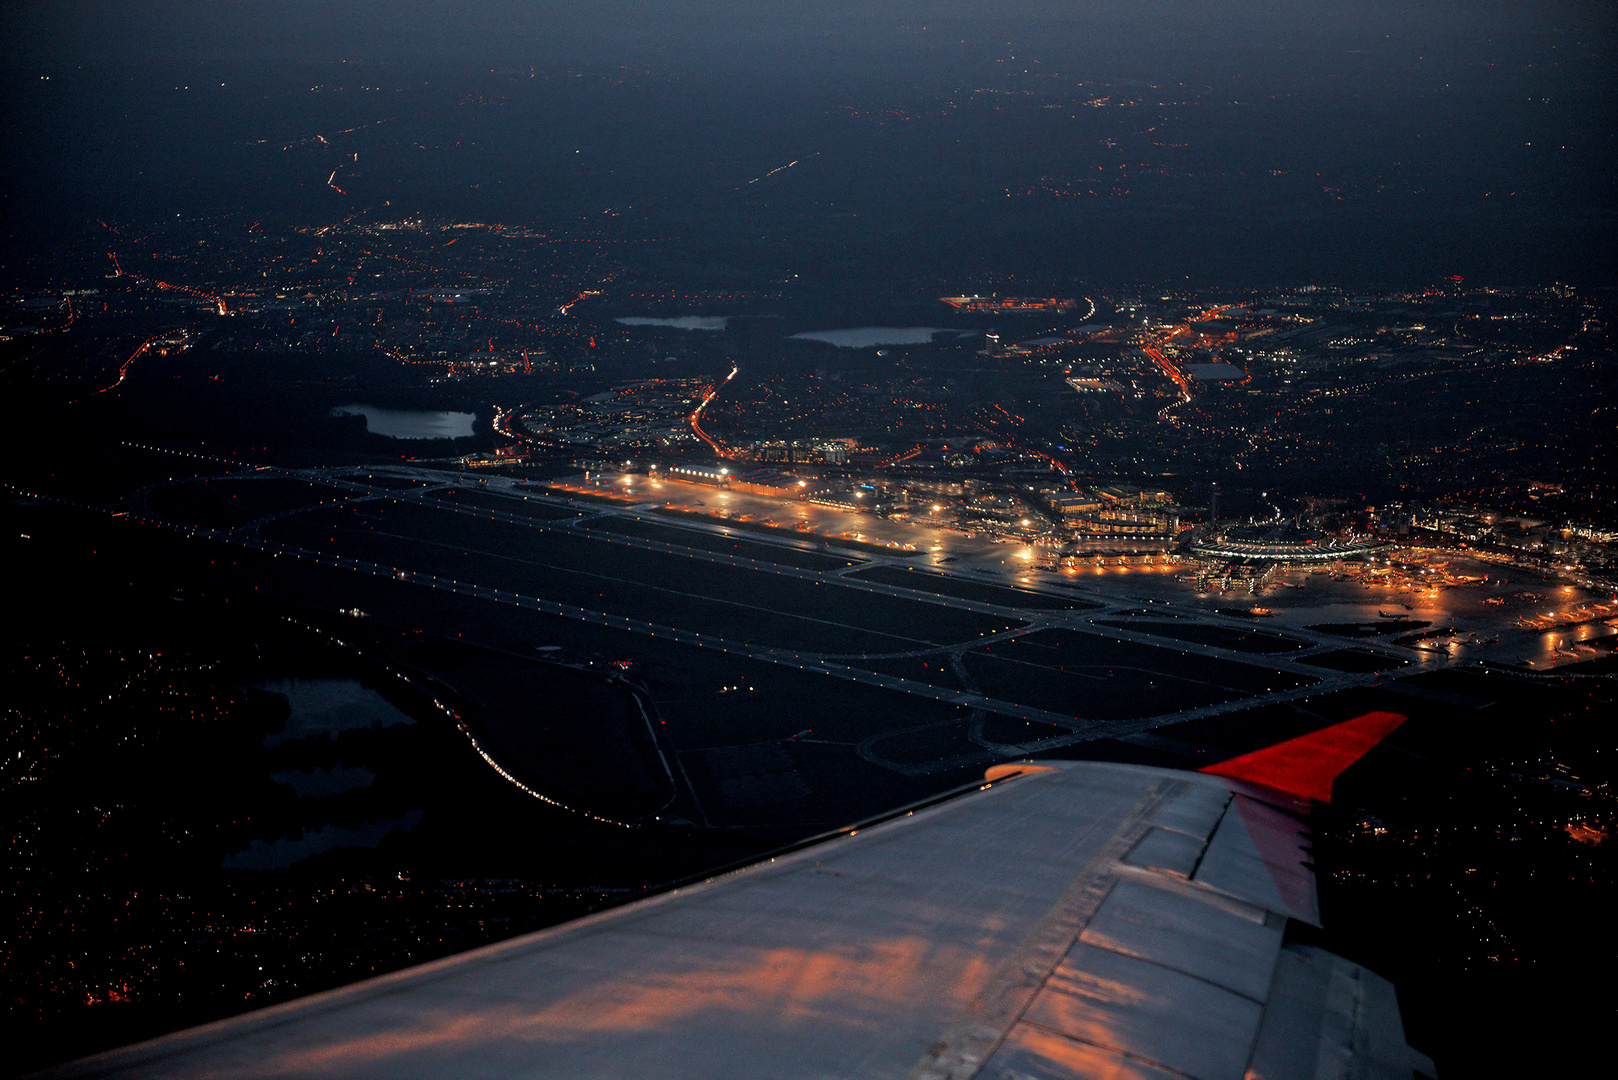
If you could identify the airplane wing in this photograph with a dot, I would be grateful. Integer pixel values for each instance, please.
(1066, 919)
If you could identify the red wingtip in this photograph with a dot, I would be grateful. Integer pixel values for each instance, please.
(1307, 765)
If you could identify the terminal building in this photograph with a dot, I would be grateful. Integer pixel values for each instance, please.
(768, 482)
(755, 482)
(715, 475)
(1116, 510)
(1281, 544)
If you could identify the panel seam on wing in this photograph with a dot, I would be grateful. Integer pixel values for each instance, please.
(968, 1043)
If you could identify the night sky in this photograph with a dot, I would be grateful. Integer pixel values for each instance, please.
(1211, 143)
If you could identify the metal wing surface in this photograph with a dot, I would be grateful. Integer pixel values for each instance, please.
(1077, 920)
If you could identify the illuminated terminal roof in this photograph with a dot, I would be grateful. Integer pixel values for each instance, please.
(697, 474)
(1281, 543)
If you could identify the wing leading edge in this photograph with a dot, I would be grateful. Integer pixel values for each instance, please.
(1078, 920)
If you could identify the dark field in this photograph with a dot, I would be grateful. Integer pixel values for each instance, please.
(767, 608)
(698, 698)
(969, 590)
(227, 503)
(706, 541)
(276, 494)
(933, 749)
(1248, 641)
(1145, 613)
(1356, 661)
(199, 503)
(751, 781)
(384, 480)
(934, 669)
(105, 474)
(789, 534)
(702, 697)
(675, 606)
(1363, 630)
(521, 507)
(1009, 731)
(1099, 678)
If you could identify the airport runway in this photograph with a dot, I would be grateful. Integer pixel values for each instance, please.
(837, 665)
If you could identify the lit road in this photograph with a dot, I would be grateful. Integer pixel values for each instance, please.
(696, 416)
